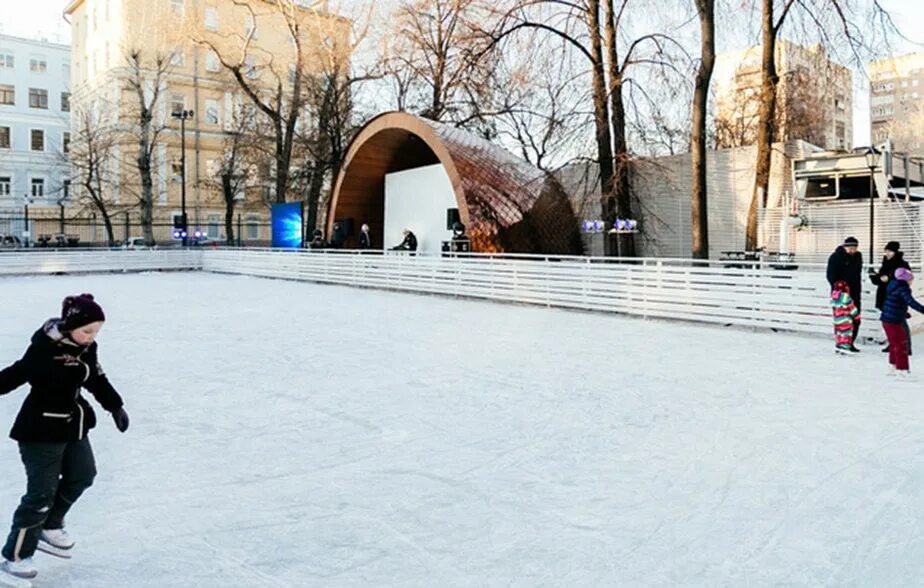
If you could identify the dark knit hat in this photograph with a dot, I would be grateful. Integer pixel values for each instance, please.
(851, 242)
(79, 311)
(893, 246)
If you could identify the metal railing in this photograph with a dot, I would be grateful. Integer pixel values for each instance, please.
(752, 294)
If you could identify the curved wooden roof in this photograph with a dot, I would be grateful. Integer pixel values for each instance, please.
(506, 204)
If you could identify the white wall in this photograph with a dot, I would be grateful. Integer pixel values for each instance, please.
(417, 199)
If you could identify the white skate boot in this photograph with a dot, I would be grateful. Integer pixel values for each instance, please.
(17, 573)
(56, 542)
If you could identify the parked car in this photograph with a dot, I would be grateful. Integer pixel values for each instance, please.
(135, 243)
(10, 242)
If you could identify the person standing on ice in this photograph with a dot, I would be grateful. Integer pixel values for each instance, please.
(846, 264)
(892, 259)
(894, 312)
(845, 313)
(52, 428)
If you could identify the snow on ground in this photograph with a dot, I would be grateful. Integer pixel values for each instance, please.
(288, 434)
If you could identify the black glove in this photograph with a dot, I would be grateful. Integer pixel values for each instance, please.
(121, 419)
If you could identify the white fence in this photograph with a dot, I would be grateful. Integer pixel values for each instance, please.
(744, 294)
(756, 296)
(51, 261)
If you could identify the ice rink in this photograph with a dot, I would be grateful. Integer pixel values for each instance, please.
(289, 434)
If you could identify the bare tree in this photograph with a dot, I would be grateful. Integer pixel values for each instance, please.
(274, 83)
(146, 81)
(593, 29)
(435, 59)
(91, 154)
(832, 23)
(699, 198)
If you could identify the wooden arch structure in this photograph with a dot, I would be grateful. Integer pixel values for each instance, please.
(506, 204)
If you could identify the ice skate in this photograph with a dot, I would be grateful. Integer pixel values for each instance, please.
(56, 542)
(17, 574)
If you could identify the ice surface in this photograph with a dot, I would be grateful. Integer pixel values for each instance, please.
(288, 434)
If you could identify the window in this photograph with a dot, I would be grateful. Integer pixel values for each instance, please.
(214, 226)
(66, 142)
(211, 61)
(38, 65)
(177, 6)
(38, 140)
(66, 189)
(177, 57)
(211, 112)
(7, 60)
(38, 98)
(250, 26)
(5, 183)
(177, 103)
(915, 83)
(38, 187)
(65, 101)
(253, 227)
(66, 72)
(4, 137)
(7, 94)
(211, 18)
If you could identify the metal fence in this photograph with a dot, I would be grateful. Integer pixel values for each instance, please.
(69, 231)
(760, 295)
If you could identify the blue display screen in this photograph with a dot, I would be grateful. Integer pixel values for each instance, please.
(287, 225)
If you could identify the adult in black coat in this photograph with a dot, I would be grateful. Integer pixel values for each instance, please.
(52, 428)
(365, 237)
(893, 258)
(409, 243)
(846, 263)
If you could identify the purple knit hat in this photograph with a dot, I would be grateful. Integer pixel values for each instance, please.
(79, 311)
(903, 274)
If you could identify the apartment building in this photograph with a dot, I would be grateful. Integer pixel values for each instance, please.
(814, 97)
(897, 102)
(187, 40)
(34, 123)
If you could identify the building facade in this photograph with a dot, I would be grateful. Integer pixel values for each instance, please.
(190, 42)
(897, 102)
(814, 97)
(34, 126)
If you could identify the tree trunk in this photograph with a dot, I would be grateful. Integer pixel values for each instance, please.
(147, 182)
(228, 191)
(621, 188)
(601, 115)
(765, 124)
(698, 204)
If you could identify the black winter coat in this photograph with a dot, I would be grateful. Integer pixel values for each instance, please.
(57, 368)
(843, 266)
(409, 243)
(365, 240)
(887, 269)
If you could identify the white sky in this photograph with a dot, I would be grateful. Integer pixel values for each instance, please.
(43, 18)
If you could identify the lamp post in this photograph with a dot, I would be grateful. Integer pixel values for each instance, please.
(872, 159)
(182, 115)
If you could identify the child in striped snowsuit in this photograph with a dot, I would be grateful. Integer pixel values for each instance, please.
(845, 313)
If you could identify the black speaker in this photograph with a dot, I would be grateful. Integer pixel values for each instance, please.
(452, 217)
(346, 226)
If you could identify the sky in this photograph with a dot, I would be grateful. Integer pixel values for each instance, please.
(43, 18)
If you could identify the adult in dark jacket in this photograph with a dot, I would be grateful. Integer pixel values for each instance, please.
(846, 263)
(409, 243)
(52, 428)
(894, 312)
(365, 237)
(893, 258)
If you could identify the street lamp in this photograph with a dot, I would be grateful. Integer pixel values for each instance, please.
(182, 115)
(872, 160)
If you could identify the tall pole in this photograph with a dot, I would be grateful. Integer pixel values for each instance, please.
(872, 191)
(183, 170)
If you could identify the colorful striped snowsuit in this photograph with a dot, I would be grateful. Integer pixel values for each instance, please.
(845, 312)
